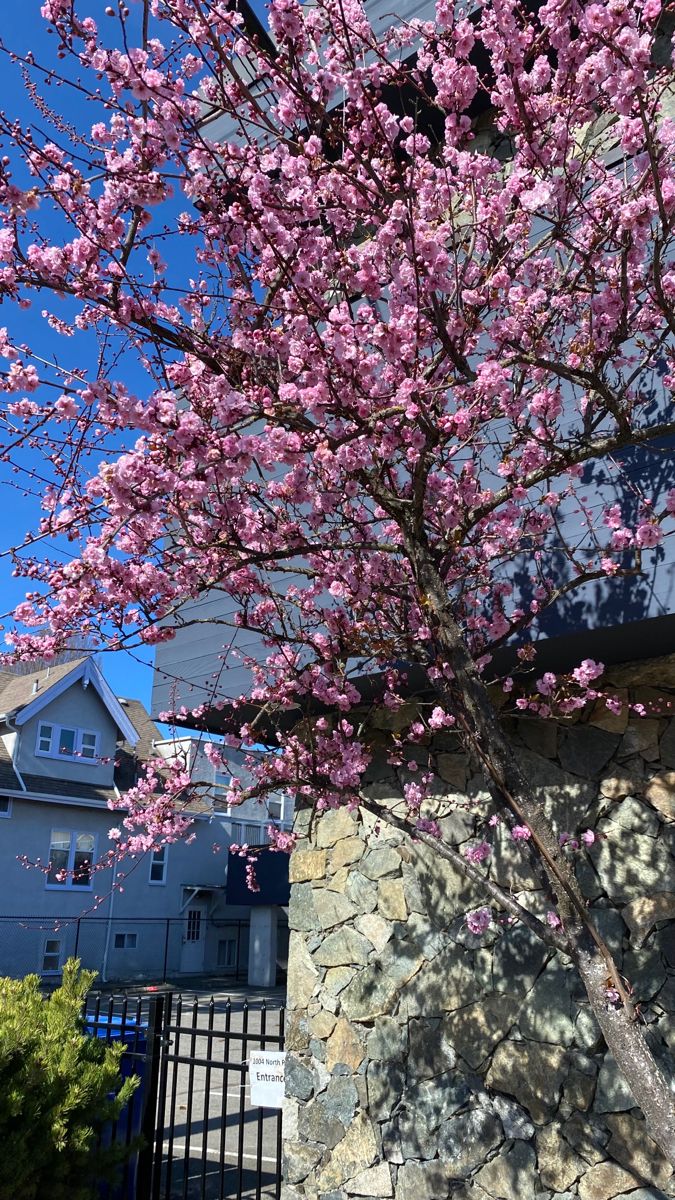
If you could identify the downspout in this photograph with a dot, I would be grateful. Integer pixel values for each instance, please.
(108, 931)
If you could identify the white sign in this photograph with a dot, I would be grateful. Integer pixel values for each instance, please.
(266, 1074)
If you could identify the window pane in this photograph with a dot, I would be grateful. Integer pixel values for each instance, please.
(58, 857)
(67, 742)
(52, 955)
(119, 941)
(157, 872)
(4, 805)
(82, 864)
(45, 738)
(88, 749)
(131, 941)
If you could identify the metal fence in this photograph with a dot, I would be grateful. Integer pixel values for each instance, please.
(125, 948)
(204, 1139)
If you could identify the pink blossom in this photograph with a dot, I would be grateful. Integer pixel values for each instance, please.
(478, 920)
(521, 833)
(477, 853)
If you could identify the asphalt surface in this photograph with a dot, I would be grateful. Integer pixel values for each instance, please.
(216, 1143)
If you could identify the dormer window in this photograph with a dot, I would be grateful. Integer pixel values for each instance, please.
(62, 741)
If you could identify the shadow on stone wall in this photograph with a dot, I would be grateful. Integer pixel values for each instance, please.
(427, 1062)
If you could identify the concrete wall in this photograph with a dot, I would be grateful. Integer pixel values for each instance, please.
(427, 1063)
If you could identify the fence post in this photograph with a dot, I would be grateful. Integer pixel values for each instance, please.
(149, 1119)
(166, 949)
(77, 938)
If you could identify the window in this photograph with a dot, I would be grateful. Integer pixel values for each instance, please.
(194, 925)
(126, 941)
(158, 865)
(5, 806)
(227, 952)
(71, 859)
(275, 810)
(60, 741)
(51, 956)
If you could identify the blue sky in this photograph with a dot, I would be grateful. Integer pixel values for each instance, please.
(22, 29)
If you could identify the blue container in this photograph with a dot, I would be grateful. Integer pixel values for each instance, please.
(113, 1028)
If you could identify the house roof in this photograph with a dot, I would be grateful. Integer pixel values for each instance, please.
(16, 691)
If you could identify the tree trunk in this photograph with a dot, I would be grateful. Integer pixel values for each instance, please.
(593, 959)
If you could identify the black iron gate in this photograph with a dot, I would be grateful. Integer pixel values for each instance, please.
(203, 1139)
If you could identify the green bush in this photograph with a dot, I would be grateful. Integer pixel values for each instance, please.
(56, 1085)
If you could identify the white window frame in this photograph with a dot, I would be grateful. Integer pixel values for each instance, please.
(54, 739)
(129, 940)
(155, 862)
(51, 953)
(68, 883)
(8, 800)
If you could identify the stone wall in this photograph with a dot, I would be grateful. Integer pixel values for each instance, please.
(425, 1062)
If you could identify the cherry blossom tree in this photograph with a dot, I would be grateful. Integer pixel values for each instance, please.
(356, 362)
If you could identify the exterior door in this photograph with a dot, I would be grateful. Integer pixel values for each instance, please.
(194, 939)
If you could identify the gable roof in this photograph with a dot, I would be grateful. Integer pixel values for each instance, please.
(23, 696)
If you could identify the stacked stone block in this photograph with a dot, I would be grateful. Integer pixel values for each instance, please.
(425, 1062)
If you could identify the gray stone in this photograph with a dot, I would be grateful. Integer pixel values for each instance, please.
(621, 782)
(636, 817)
(386, 1081)
(604, 1181)
(585, 750)
(439, 1098)
(475, 1030)
(336, 980)
(510, 862)
(660, 792)
(431, 1051)
(316, 1125)
(667, 745)
(333, 825)
(354, 1153)
(547, 1014)
(531, 1072)
(518, 958)
(299, 1160)
(456, 827)
(345, 1046)
(370, 994)
(587, 1033)
(612, 1093)
(387, 1040)
(423, 1181)
(299, 1080)
(406, 1137)
(346, 852)
(640, 735)
(611, 927)
(332, 908)
(642, 914)
(340, 1099)
(374, 1181)
(632, 866)
(343, 948)
(401, 960)
(380, 862)
(445, 984)
(565, 796)
(375, 928)
(514, 1119)
(646, 973)
(632, 1147)
(539, 736)
(511, 1173)
(303, 976)
(445, 891)
(645, 1194)
(587, 1137)
(362, 892)
(417, 929)
(559, 1165)
(301, 911)
(412, 891)
(466, 1141)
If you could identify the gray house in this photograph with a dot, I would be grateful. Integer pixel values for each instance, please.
(68, 748)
